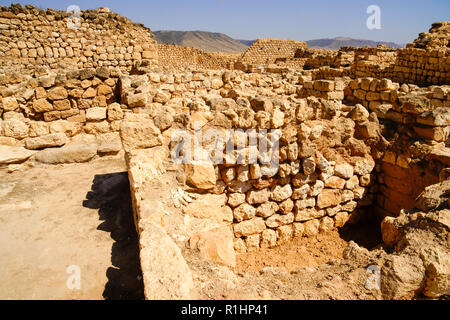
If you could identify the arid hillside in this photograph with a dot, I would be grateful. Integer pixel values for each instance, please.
(208, 41)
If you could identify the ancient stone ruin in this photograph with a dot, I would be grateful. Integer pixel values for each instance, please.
(233, 160)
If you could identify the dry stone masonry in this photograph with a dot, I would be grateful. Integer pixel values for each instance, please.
(354, 132)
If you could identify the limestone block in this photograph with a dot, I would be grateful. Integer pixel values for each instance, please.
(46, 141)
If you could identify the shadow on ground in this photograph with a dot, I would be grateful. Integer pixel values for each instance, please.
(366, 232)
(111, 195)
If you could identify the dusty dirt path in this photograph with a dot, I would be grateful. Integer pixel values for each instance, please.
(53, 217)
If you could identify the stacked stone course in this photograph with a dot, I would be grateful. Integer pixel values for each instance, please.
(266, 51)
(178, 56)
(31, 37)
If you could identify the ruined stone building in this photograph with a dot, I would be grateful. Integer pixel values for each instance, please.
(362, 132)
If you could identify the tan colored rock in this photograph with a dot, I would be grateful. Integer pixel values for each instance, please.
(139, 134)
(244, 212)
(277, 118)
(249, 227)
(267, 209)
(228, 174)
(42, 105)
(69, 128)
(236, 199)
(316, 189)
(255, 172)
(401, 277)
(62, 105)
(253, 242)
(73, 153)
(433, 196)
(324, 85)
(341, 218)
(165, 273)
(335, 183)
(46, 141)
(308, 214)
(96, 114)
(57, 93)
(360, 113)
(311, 228)
(349, 206)
(352, 183)
(216, 245)
(269, 238)
(278, 220)
(89, 93)
(115, 112)
(200, 174)
(286, 206)
(329, 198)
(437, 265)
(9, 104)
(14, 128)
(243, 173)
(285, 233)
(281, 193)
(13, 154)
(364, 166)
(299, 229)
(306, 203)
(104, 90)
(109, 143)
(326, 224)
(258, 197)
(210, 206)
(239, 245)
(343, 170)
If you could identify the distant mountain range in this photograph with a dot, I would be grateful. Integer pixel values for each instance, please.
(219, 42)
(337, 43)
(208, 41)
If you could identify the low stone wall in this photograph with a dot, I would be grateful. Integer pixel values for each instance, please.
(71, 103)
(179, 56)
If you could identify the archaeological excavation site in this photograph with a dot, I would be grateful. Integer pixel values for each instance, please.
(136, 170)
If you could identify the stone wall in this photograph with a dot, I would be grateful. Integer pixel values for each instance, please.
(31, 37)
(266, 51)
(325, 176)
(413, 66)
(56, 110)
(179, 56)
(416, 123)
(423, 67)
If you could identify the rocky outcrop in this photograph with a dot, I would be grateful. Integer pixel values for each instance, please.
(420, 262)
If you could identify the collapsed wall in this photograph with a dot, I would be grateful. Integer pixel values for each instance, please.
(31, 37)
(437, 37)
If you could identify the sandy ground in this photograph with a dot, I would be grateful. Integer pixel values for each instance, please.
(298, 253)
(53, 217)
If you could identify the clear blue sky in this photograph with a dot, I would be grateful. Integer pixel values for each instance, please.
(401, 20)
